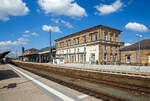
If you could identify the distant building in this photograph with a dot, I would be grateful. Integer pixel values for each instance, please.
(44, 54)
(35, 55)
(96, 45)
(130, 54)
(30, 51)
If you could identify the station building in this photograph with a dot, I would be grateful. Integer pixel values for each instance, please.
(35, 55)
(96, 45)
(130, 54)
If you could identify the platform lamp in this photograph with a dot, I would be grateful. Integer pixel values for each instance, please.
(139, 36)
(50, 45)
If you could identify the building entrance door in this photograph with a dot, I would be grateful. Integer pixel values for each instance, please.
(92, 58)
(127, 59)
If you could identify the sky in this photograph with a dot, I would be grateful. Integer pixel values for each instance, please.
(26, 23)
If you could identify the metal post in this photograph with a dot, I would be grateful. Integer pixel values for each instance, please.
(16, 54)
(139, 54)
(139, 36)
(50, 46)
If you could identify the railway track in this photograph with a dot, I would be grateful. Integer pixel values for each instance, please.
(95, 87)
(117, 72)
(76, 87)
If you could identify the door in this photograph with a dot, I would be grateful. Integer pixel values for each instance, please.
(92, 58)
(128, 59)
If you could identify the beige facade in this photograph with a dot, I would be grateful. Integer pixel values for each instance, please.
(132, 56)
(96, 45)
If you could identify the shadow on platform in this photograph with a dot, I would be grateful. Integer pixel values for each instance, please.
(7, 74)
(11, 85)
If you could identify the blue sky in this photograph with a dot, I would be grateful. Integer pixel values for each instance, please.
(26, 22)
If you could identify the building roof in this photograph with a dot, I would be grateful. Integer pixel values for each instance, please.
(87, 30)
(32, 49)
(46, 49)
(2, 55)
(144, 44)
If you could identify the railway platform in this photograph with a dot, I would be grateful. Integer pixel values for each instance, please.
(17, 84)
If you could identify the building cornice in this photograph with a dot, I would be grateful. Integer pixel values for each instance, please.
(87, 30)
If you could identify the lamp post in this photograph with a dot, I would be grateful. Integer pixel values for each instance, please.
(50, 46)
(139, 36)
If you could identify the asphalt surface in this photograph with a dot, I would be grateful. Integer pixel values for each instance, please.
(17, 84)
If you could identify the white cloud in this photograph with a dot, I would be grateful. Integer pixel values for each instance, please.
(35, 34)
(26, 31)
(62, 7)
(67, 24)
(107, 9)
(12, 8)
(127, 44)
(10, 45)
(52, 28)
(136, 27)
(55, 20)
(31, 33)
(26, 35)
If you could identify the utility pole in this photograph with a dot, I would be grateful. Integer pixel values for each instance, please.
(16, 54)
(50, 46)
(139, 36)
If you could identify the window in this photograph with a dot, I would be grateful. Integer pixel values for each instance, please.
(105, 36)
(78, 40)
(116, 38)
(91, 37)
(75, 42)
(84, 49)
(116, 48)
(111, 49)
(67, 42)
(105, 57)
(84, 39)
(56, 45)
(111, 57)
(74, 50)
(105, 47)
(95, 36)
(62, 44)
(115, 57)
(78, 49)
(84, 58)
(111, 36)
